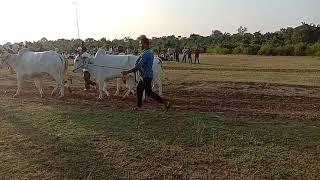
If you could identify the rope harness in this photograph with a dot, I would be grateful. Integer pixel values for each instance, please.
(86, 63)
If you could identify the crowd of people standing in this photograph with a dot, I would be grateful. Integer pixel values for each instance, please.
(187, 56)
(174, 54)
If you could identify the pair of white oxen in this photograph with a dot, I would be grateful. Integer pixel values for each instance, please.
(28, 64)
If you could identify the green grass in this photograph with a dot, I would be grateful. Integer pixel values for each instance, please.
(307, 78)
(257, 62)
(279, 70)
(77, 142)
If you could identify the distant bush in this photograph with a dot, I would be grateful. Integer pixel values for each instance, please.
(237, 50)
(222, 50)
(300, 49)
(211, 49)
(219, 49)
(252, 49)
(266, 49)
(287, 50)
(313, 50)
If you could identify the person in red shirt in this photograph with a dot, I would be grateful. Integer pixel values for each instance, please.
(197, 56)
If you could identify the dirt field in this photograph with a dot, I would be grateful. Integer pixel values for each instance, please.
(244, 88)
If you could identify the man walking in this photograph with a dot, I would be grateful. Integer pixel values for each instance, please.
(145, 67)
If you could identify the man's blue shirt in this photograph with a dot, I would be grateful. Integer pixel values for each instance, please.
(146, 63)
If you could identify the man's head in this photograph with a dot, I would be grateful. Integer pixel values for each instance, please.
(144, 42)
(120, 49)
(83, 49)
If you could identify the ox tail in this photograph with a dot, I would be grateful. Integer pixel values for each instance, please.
(161, 64)
(65, 64)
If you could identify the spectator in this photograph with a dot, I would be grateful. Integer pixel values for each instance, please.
(184, 57)
(189, 52)
(176, 55)
(197, 56)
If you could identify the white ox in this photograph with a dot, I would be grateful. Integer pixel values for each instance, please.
(29, 64)
(105, 67)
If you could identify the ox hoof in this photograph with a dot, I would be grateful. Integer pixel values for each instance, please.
(124, 98)
(106, 93)
(16, 96)
(61, 97)
(100, 99)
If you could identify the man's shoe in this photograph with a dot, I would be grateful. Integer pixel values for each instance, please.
(167, 105)
(137, 109)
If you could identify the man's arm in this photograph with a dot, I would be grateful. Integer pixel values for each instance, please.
(136, 67)
(129, 71)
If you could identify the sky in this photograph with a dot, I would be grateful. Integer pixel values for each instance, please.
(30, 20)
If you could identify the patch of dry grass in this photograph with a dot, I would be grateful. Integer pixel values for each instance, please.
(77, 142)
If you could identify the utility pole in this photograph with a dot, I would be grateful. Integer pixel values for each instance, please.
(76, 7)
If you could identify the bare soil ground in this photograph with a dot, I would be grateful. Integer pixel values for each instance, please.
(209, 96)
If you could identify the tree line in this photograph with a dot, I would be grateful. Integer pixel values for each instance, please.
(303, 40)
